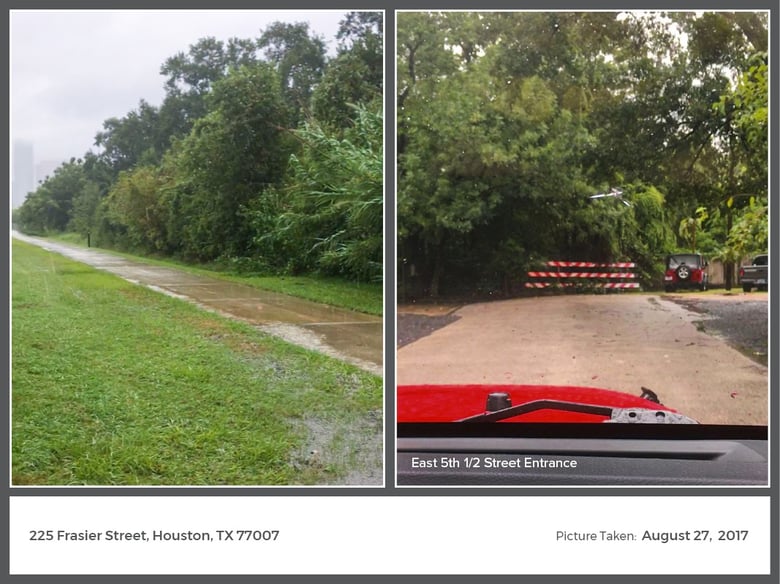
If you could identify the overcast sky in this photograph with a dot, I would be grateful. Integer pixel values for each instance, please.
(71, 70)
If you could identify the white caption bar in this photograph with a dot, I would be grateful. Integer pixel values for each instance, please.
(389, 535)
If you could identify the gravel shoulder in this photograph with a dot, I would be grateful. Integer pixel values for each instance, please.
(415, 322)
(738, 318)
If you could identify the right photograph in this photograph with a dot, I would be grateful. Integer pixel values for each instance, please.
(582, 238)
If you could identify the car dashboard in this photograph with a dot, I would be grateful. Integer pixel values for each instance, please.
(542, 455)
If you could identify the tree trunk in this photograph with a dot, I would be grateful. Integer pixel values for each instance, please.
(435, 279)
(728, 266)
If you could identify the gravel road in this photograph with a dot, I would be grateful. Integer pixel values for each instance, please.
(740, 319)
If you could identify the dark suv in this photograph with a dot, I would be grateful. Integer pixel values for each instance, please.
(686, 270)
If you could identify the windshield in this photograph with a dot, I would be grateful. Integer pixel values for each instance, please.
(527, 268)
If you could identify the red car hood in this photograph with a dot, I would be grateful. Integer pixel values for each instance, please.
(450, 403)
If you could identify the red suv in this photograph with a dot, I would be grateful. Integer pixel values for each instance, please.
(686, 270)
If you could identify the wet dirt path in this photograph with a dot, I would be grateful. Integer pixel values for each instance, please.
(343, 334)
(619, 342)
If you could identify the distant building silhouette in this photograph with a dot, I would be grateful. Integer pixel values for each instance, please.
(23, 172)
(45, 168)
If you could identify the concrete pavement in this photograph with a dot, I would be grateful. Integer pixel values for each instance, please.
(614, 341)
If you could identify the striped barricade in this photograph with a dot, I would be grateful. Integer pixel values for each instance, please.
(603, 276)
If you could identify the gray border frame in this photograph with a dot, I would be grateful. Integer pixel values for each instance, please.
(389, 6)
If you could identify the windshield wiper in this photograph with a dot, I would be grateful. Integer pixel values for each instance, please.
(495, 412)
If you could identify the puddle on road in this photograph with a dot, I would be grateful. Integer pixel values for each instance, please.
(346, 335)
(343, 334)
(334, 342)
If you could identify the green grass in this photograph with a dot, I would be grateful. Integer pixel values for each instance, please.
(363, 297)
(69, 237)
(113, 384)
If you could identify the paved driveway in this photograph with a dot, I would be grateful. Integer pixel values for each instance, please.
(614, 341)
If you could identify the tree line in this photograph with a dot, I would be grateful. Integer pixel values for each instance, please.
(264, 153)
(508, 124)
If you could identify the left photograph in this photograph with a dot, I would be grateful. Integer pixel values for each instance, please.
(196, 248)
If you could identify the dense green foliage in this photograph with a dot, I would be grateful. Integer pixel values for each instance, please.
(335, 194)
(509, 122)
(264, 154)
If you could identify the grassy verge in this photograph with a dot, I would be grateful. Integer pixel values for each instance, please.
(363, 297)
(113, 384)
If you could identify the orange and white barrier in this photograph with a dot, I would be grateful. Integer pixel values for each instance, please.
(591, 265)
(623, 275)
(562, 279)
